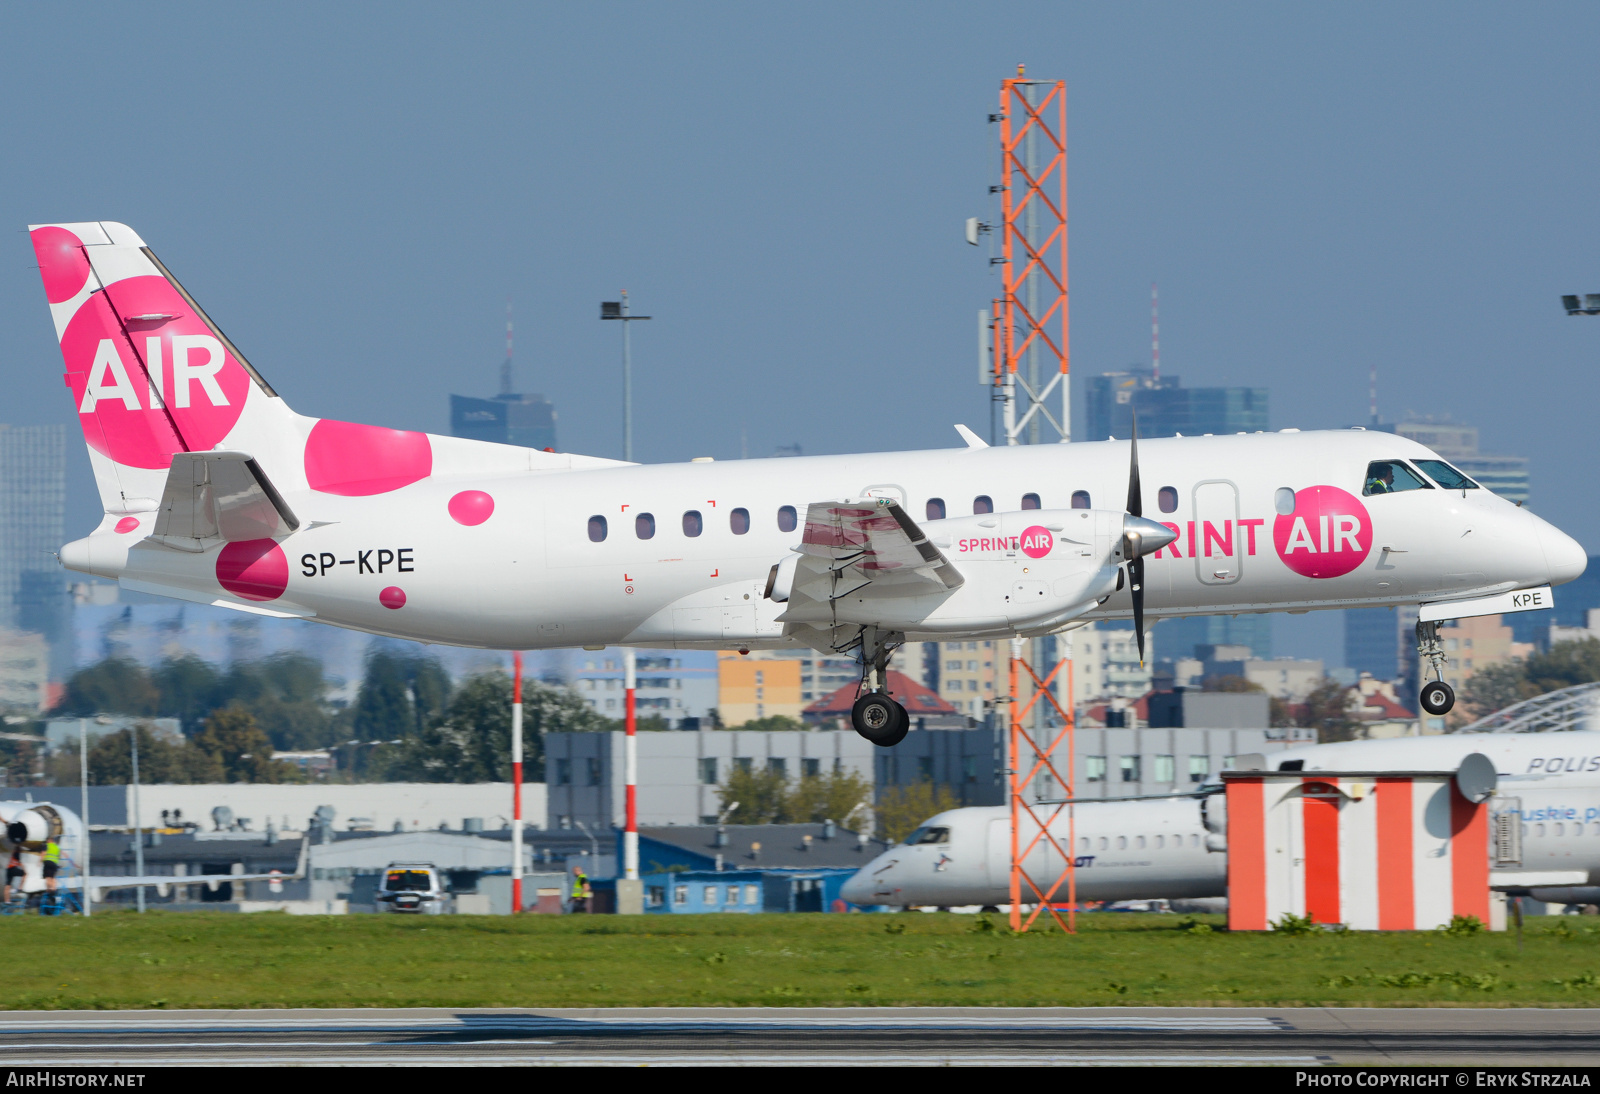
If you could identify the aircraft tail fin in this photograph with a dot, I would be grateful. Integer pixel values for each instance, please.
(149, 372)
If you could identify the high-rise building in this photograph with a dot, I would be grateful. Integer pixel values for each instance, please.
(33, 507)
(525, 420)
(1373, 643)
(1179, 637)
(1166, 408)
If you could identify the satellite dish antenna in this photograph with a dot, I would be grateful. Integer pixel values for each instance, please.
(1476, 778)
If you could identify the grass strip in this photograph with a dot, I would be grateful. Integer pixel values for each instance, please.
(199, 959)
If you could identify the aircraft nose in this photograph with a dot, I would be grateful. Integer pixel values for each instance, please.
(858, 890)
(1564, 556)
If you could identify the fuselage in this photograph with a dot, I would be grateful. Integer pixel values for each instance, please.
(1159, 849)
(679, 554)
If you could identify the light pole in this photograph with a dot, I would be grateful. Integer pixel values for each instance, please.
(516, 782)
(618, 310)
(83, 779)
(138, 825)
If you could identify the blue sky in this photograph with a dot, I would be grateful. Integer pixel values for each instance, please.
(353, 190)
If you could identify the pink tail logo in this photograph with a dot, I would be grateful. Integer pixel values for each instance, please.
(147, 375)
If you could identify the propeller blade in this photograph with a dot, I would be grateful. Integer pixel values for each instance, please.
(1135, 495)
(1136, 590)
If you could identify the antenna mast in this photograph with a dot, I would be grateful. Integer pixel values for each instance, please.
(505, 369)
(1155, 336)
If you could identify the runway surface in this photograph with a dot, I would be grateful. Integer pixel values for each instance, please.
(865, 1036)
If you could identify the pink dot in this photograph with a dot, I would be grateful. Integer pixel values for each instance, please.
(392, 597)
(357, 461)
(62, 263)
(255, 569)
(126, 525)
(471, 507)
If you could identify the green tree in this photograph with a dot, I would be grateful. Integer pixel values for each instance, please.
(1563, 665)
(116, 685)
(902, 808)
(241, 749)
(287, 694)
(829, 796)
(187, 690)
(1497, 687)
(401, 693)
(770, 724)
(160, 760)
(471, 741)
(1326, 709)
(762, 794)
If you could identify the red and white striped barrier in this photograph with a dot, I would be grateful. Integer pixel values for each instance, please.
(1390, 851)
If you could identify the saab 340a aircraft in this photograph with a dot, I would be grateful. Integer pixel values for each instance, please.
(215, 491)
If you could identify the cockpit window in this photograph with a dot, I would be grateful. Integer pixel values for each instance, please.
(1446, 476)
(929, 834)
(1391, 477)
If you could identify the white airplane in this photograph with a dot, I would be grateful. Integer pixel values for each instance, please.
(215, 491)
(27, 828)
(1174, 847)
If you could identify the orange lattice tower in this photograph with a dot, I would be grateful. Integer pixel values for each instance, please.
(1031, 318)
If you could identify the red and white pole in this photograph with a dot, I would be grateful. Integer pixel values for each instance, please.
(516, 782)
(630, 767)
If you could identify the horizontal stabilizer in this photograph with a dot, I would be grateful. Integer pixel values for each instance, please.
(213, 496)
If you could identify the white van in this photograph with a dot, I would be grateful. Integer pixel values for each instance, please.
(416, 888)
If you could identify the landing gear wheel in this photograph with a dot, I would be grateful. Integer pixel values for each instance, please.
(879, 719)
(1438, 697)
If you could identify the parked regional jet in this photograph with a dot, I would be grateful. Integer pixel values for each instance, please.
(215, 491)
(28, 828)
(1175, 847)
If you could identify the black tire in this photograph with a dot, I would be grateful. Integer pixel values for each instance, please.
(878, 718)
(903, 726)
(1437, 697)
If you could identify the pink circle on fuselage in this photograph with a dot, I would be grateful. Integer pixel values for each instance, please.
(126, 525)
(392, 597)
(471, 507)
(62, 263)
(255, 569)
(1037, 541)
(356, 461)
(128, 421)
(1328, 534)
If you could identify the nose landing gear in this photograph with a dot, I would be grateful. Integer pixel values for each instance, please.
(875, 715)
(1437, 696)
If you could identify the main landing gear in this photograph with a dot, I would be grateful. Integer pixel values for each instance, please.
(1437, 696)
(875, 715)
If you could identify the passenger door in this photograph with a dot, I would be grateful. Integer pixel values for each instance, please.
(1215, 541)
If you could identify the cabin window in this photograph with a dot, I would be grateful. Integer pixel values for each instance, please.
(1030, 501)
(644, 525)
(935, 508)
(1161, 841)
(739, 521)
(1446, 476)
(1083, 843)
(1283, 501)
(1391, 477)
(693, 525)
(1080, 499)
(1139, 842)
(787, 519)
(1122, 843)
(1168, 499)
(983, 503)
(597, 529)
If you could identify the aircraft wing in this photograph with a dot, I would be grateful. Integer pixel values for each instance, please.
(863, 546)
(163, 883)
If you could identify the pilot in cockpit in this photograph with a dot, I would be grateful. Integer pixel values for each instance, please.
(1380, 479)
